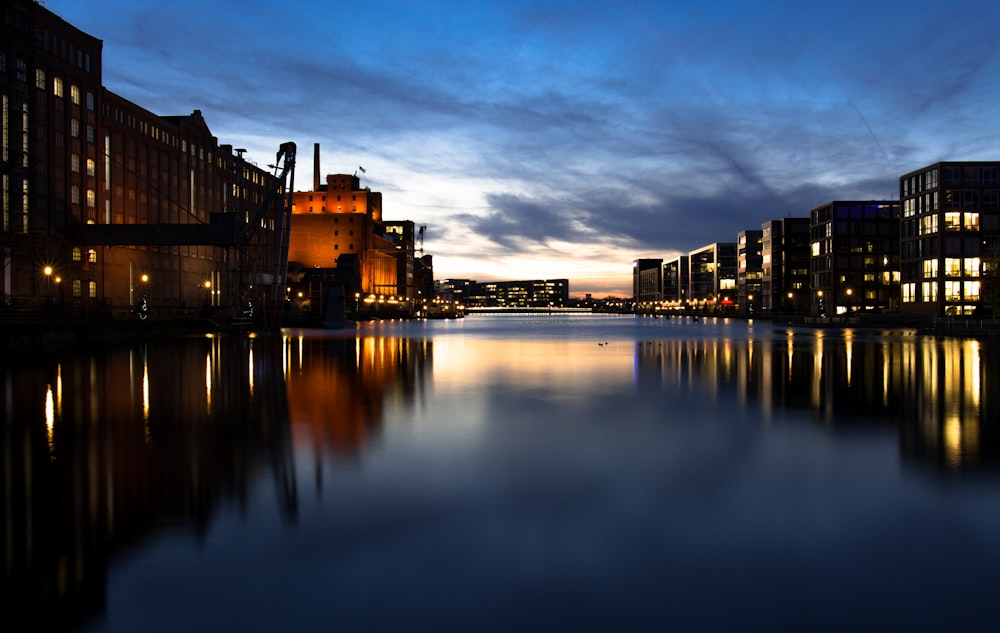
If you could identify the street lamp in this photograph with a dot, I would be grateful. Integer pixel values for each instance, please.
(822, 308)
(850, 300)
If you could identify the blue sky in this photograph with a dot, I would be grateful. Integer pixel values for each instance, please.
(557, 139)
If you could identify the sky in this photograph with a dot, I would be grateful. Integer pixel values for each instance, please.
(555, 139)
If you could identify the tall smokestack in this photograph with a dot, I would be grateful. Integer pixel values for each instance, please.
(315, 167)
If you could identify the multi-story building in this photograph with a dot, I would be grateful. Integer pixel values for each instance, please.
(785, 264)
(713, 276)
(854, 247)
(676, 280)
(535, 293)
(647, 281)
(340, 226)
(749, 267)
(950, 239)
(104, 201)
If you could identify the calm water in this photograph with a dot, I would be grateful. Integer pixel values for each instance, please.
(584, 473)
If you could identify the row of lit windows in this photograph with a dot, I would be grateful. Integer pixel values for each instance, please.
(927, 292)
(953, 267)
(953, 221)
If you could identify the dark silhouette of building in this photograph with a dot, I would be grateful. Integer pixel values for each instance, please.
(855, 256)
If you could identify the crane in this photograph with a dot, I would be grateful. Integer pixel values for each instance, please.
(420, 236)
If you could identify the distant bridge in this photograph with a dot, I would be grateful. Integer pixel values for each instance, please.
(511, 310)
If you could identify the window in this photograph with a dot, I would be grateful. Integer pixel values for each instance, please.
(970, 290)
(57, 86)
(74, 128)
(91, 167)
(92, 256)
(91, 198)
(952, 267)
(76, 254)
(90, 101)
(92, 289)
(952, 221)
(952, 290)
(74, 195)
(971, 221)
(90, 133)
(40, 78)
(74, 94)
(930, 268)
(74, 163)
(971, 266)
(76, 287)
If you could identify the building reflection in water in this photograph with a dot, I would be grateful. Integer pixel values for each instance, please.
(935, 392)
(103, 450)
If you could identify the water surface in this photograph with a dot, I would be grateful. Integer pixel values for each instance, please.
(506, 473)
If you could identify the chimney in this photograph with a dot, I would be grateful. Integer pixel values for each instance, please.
(315, 167)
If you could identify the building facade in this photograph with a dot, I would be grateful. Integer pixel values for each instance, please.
(785, 265)
(950, 239)
(104, 201)
(713, 270)
(676, 280)
(749, 269)
(340, 226)
(854, 247)
(647, 281)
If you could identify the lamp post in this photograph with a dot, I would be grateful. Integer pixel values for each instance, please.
(850, 300)
(821, 307)
(791, 303)
(750, 304)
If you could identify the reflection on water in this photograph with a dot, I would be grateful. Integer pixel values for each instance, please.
(104, 451)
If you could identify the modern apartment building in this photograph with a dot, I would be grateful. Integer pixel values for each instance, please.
(854, 248)
(676, 281)
(713, 270)
(785, 265)
(535, 293)
(647, 281)
(749, 267)
(950, 239)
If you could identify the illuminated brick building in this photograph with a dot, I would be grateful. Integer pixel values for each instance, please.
(338, 235)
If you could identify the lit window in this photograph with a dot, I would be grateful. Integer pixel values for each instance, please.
(952, 221)
(92, 289)
(40, 78)
(930, 268)
(952, 267)
(92, 256)
(91, 167)
(971, 221)
(74, 128)
(76, 254)
(76, 287)
(971, 266)
(74, 94)
(57, 86)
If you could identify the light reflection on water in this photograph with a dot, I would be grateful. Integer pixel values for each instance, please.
(581, 473)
